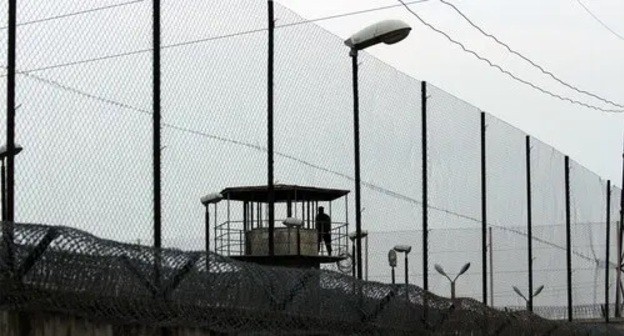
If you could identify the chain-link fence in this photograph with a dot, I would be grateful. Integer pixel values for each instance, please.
(84, 81)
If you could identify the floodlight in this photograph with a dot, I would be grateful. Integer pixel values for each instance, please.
(539, 290)
(403, 248)
(353, 235)
(211, 198)
(388, 32)
(392, 258)
(464, 269)
(4, 151)
(440, 270)
(293, 222)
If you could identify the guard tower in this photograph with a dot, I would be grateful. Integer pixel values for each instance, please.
(244, 232)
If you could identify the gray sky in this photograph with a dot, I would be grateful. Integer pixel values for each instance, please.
(557, 34)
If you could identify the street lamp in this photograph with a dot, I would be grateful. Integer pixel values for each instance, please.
(363, 234)
(4, 153)
(392, 260)
(462, 271)
(213, 198)
(529, 301)
(388, 32)
(405, 249)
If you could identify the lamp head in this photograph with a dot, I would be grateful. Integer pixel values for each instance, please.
(538, 291)
(293, 222)
(388, 32)
(353, 235)
(392, 258)
(403, 248)
(439, 269)
(4, 152)
(211, 198)
(464, 269)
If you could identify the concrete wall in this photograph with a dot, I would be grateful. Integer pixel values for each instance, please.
(57, 325)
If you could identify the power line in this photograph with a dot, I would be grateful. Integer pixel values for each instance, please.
(87, 11)
(604, 25)
(215, 38)
(508, 73)
(517, 53)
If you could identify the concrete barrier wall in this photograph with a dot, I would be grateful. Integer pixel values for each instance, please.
(38, 324)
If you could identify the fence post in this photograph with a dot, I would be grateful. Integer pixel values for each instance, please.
(483, 209)
(425, 228)
(607, 246)
(529, 222)
(270, 187)
(568, 236)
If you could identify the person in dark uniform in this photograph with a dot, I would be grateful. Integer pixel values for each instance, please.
(323, 226)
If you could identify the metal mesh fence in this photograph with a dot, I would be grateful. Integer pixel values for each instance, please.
(84, 118)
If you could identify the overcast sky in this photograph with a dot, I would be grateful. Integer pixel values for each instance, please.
(557, 34)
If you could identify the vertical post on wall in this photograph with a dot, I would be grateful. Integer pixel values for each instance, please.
(618, 275)
(529, 223)
(425, 228)
(607, 246)
(618, 289)
(156, 145)
(568, 236)
(271, 187)
(483, 210)
(491, 270)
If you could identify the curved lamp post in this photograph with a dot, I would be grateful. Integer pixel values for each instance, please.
(405, 249)
(529, 301)
(213, 198)
(463, 270)
(388, 32)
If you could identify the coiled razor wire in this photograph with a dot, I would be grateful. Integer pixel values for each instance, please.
(63, 270)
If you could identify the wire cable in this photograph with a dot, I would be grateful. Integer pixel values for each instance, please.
(517, 53)
(604, 25)
(508, 73)
(86, 11)
(214, 38)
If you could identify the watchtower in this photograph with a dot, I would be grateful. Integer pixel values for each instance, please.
(244, 232)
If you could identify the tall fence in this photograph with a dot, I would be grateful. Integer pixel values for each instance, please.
(84, 90)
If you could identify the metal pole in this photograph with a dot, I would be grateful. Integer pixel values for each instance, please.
(618, 275)
(393, 277)
(353, 271)
(156, 144)
(3, 178)
(453, 291)
(366, 257)
(529, 223)
(568, 236)
(618, 290)
(425, 228)
(207, 228)
(406, 278)
(491, 270)
(356, 135)
(483, 210)
(271, 187)
(607, 246)
(10, 132)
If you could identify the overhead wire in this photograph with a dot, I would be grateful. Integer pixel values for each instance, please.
(504, 71)
(82, 12)
(522, 56)
(211, 38)
(604, 25)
